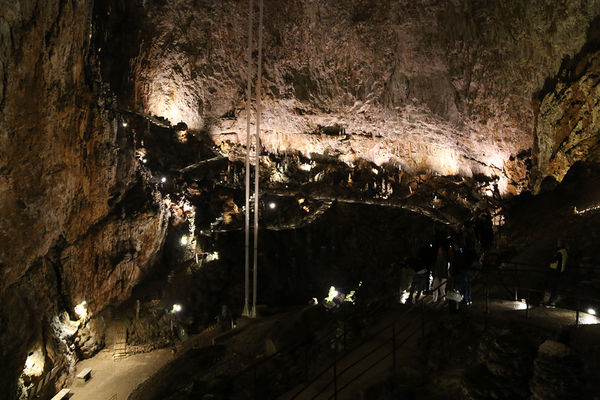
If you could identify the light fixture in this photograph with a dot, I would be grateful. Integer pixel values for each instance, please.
(81, 309)
(176, 308)
(34, 364)
(163, 179)
(375, 171)
(591, 311)
(184, 240)
(212, 256)
(272, 205)
(124, 124)
(332, 294)
(404, 297)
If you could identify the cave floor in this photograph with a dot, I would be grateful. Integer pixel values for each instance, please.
(407, 354)
(118, 377)
(122, 376)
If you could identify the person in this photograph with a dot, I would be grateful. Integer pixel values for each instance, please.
(420, 282)
(440, 274)
(556, 271)
(461, 271)
(485, 233)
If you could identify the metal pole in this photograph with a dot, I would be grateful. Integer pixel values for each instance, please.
(335, 377)
(306, 364)
(516, 285)
(344, 335)
(527, 303)
(257, 166)
(487, 300)
(577, 312)
(255, 385)
(246, 311)
(423, 318)
(394, 346)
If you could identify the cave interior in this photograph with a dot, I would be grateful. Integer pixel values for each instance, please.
(248, 190)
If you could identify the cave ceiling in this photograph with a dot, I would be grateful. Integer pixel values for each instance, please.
(442, 87)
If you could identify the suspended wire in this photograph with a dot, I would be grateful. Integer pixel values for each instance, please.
(246, 311)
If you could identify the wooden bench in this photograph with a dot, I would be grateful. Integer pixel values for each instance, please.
(85, 373)
(62, 394)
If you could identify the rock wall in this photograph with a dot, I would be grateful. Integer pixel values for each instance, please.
(76, 220)
(568, 120)
(432, 85)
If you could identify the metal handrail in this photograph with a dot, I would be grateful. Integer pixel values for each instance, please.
(364, 341)
(395, 347)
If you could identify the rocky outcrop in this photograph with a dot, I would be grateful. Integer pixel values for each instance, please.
(568, 123)
(444, 86)
(505, 369)
(556, 373)
(73, 225)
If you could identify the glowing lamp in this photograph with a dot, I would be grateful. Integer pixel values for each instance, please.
(332, 294)
(124, 124)
(272, 205)
(34, 364)
(81, 309)
(591, 311)
(404, 297)
(163, 179)
(176, 308)
(184, 240)
(212, 256)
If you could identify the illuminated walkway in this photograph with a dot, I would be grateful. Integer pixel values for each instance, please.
(354, 363)
(117, 377)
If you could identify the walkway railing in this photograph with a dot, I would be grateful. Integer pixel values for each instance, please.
(312, 360)
(517, 273)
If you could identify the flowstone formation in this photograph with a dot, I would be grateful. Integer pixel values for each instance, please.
(442, 87)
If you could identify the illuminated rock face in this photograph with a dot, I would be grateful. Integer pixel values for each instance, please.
(66, 170)
(568, 124)
(444, 86)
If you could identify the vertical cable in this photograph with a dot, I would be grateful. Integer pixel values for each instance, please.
(246, 311)
(257, 167)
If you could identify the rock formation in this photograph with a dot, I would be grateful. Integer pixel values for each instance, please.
(68, 172)
(424, 87)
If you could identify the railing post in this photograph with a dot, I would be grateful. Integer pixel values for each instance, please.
(306, 363)
(255, 387)
(335, 377)
(487, 299)
(577, 312)
(422, 318)
(394, 346)
(516, 284)
(344, 335)
(527, 303)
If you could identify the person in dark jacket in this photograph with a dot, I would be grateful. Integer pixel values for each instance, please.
(420, 282)
(440, 273)
(460, 269)
(556, 271)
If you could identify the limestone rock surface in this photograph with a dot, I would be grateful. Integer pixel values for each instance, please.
(428, 86)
